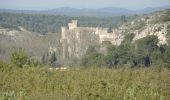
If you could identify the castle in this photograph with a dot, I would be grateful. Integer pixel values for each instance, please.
(76, 40)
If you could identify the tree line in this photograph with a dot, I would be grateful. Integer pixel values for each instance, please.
(52, 23)
(143, 53)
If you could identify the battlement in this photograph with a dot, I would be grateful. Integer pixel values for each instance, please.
(75, 40)
(74, 31)
(72, 25)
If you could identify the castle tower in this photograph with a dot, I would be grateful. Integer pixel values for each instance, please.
(72, 25)
(63, 32)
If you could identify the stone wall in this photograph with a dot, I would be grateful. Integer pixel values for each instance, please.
(159, 30)
(76, 40)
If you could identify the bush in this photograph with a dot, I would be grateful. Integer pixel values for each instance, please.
(85, 84)
(4, 66)
(20, 59)
(92, 58)
(144, 53)
(128, 38)
(14, 96)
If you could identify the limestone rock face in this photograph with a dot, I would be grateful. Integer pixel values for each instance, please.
(156, 24)
(34, 44)
(73, 41)
(159, 30)
(76, 40)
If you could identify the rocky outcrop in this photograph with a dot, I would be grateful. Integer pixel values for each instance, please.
(75, 40)
(35, 45)
(159, 30)
(151, 24)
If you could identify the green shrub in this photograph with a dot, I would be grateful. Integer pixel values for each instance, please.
(20, 59)
(33, 62)
(22, 95)
(85, 84)
(5, 66)
(8, 96)
(128, 38)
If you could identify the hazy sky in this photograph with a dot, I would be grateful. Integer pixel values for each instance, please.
(51, 4)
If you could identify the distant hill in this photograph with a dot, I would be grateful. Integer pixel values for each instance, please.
(22, 30)
(101, 12)
(151, 9)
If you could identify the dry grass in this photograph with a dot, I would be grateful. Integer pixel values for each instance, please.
(85, 84)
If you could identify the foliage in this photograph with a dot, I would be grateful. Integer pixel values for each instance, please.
(21, 59)
(93, 58)
(139, 25)
(52, 23)
(5, 66)
(144, 47)
(165, 17)
(85, 83)
(14, 96)
(143, 53)
(128, 38)
(53, 58)
(148, 43)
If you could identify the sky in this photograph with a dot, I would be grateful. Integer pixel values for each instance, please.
(81, 4)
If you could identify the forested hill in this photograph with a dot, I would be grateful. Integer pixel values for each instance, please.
(144, 43)
(52, 23)
(100, 12)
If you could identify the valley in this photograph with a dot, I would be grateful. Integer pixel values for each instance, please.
(84, 50)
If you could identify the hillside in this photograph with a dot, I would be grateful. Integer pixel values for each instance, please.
(43, 24)
(130, 61)
(35, 45)
(100, 12)
(145, 43)
(40, 46)
(157, 23)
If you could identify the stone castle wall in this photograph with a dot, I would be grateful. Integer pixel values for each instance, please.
(76, 40)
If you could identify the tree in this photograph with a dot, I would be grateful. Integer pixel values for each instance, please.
(128, 38)
(19, 58)
(53, 58)
(110, 30)
(44, 61)
(123, 18)
(144, 48)
(92, 58)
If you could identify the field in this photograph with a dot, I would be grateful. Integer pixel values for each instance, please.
(84, 84)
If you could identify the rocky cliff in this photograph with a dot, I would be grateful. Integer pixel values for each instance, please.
(157, 24)
(73, 42)
(35, 45)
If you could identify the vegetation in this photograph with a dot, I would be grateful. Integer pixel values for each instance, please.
(33, 83)
(130, 71)
(50, 23)
(20, 59)
(144, 52)
(24, 81)
(165, 18)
